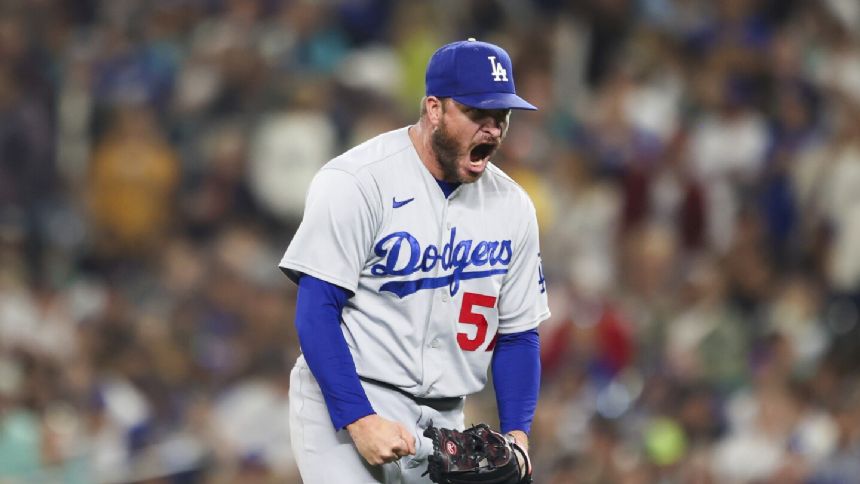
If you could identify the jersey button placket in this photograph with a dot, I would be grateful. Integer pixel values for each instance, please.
(431, 359)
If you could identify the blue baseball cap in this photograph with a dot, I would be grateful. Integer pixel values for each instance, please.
(477, 74)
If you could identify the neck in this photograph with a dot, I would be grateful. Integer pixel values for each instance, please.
(419, 134)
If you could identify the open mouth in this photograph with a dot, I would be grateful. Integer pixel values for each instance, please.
(482, 151)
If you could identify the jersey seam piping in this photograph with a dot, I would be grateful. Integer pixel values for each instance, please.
(530, 325)
(293, 265)
(368, 164)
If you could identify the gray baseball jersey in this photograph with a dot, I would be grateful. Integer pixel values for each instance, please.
(434, 279)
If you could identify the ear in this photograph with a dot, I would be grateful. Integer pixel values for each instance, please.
(435, 110)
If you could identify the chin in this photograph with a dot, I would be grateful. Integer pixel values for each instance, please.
(469, 176)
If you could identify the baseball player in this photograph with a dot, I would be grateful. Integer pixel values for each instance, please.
(418, 268)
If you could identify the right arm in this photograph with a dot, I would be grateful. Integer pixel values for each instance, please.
(325, 258)
(318, 311)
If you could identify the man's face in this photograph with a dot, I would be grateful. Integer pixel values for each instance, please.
(466, 138)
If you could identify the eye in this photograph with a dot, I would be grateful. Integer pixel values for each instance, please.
(475, 115)
(499, 116)
(478, 115)
(502, 115)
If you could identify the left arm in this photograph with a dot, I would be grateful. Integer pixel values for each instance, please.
(516, 378)
(522, 306)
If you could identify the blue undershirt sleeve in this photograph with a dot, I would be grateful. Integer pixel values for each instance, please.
(318, 312)
(516, 378)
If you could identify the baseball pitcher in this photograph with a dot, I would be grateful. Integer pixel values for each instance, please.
(418, 266)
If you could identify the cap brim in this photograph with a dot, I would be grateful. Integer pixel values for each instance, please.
(498, 100)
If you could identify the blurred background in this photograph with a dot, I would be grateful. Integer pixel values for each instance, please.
(695, 166)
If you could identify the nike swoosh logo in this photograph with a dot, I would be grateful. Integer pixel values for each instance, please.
(399, 203)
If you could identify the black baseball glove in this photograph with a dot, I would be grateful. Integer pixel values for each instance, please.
(477, 454)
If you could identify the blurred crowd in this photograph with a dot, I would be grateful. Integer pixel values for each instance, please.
(695, 166)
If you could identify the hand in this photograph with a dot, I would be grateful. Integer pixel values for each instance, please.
(380, 440)
(522, 454)
(521, 437)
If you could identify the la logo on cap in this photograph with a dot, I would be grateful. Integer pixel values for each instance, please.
(458, 70)
(499, 73)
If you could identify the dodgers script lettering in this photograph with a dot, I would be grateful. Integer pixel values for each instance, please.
(403, 256)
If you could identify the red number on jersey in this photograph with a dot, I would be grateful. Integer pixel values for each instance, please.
(467, 316)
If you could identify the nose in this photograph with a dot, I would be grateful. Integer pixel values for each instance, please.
(493, 126)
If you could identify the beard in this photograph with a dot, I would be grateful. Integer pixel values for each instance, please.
(446, 149)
